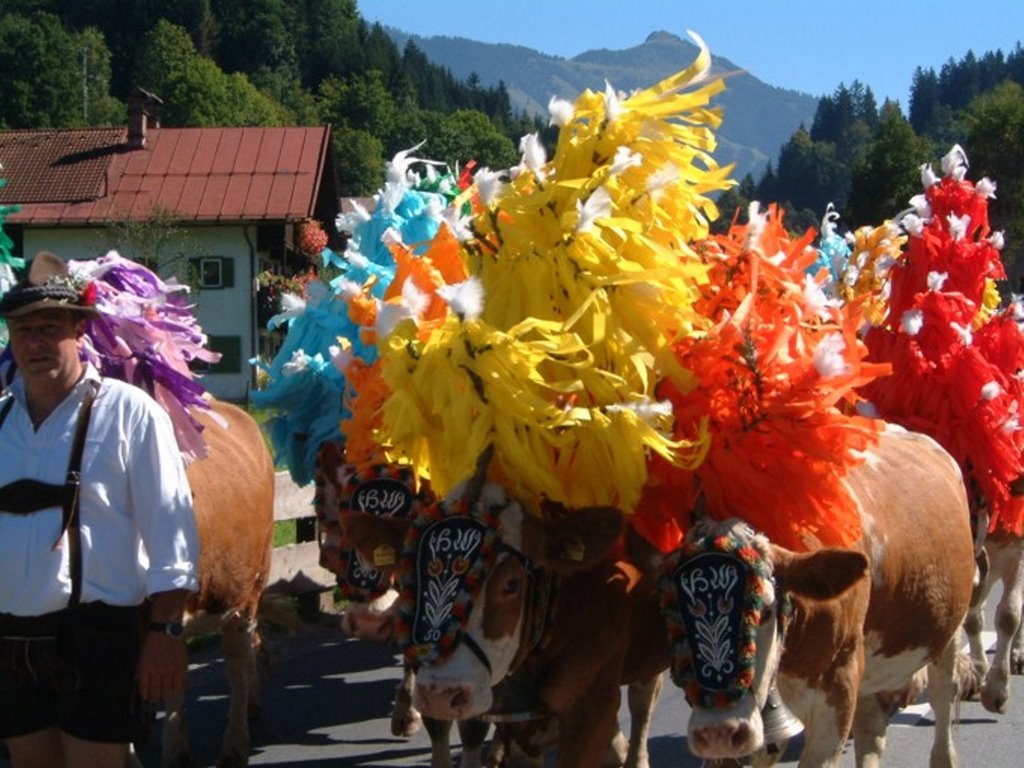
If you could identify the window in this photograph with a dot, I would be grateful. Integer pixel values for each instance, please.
(214, 272)
(230, 348)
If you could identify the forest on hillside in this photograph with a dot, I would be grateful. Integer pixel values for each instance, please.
(71, 63)
(866, 159)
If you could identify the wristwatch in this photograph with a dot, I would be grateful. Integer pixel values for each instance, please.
(172, 628)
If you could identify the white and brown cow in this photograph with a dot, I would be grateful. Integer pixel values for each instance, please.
(860, 622)
(371, 612)
(488, 590)
(1002, 554)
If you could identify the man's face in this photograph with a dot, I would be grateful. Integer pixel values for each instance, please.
(45, 345)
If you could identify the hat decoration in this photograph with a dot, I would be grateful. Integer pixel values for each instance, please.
(955, 353)
(777, 378)
(141, 330)
(324, 382)
(49, 285)
(580, 277)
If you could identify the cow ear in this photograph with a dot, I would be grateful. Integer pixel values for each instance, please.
(330, 451)
(821, 575)
(378, 540)
(578, 540)
(644, 555)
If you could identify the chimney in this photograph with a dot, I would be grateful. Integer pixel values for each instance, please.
(143, 113)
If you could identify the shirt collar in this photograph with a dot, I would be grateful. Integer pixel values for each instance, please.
(17, 387)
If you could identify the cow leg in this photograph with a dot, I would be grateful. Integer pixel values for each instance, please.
(642, 696)
(238, 634)
(405, 718)
(586, 730)
(472, 733)
(440, 733)
(869, 725)
(943, 692)
(174, 745)
(1017, 652)
(1006, 561)
(827, 721)
(974, 622)
(524, 744)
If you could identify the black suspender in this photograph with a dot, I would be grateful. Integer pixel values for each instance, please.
(73, 482)
(6, 409)
(70, 495)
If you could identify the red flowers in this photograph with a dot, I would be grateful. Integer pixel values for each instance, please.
(87, 296)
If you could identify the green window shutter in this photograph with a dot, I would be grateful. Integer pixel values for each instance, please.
(230, 348)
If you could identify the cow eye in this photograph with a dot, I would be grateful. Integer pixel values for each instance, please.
(767, 614)
(511, 587)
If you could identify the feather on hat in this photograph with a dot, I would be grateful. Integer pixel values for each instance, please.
(49, 285)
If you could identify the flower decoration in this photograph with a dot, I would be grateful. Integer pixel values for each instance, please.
(448, 552)
(312, 238)
(955, 354)
(712, 632)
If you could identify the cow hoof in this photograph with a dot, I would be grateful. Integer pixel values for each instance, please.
(233, 760)
(407, 725)
(994, 704)
(180, 761)
(1017, 663)
(971, 679)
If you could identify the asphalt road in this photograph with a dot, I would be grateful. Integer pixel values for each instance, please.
(328, 703)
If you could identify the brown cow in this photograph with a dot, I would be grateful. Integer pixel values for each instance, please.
(233, 494)
(849, 640)
(550, 597)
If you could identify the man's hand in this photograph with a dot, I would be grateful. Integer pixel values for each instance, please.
(162, 666)
(162, 660)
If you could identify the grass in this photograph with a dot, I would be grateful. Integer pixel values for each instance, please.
(285, 532)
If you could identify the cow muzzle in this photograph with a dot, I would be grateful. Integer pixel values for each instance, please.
(368, 621)
(735, 732)
(451, 701)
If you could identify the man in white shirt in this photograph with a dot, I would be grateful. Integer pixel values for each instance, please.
(78, 560)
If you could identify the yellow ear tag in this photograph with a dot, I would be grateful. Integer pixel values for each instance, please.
(574, 550)
(383, 555)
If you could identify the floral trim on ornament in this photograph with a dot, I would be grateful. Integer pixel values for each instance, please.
(448, 552)
(712, 593)
(384, 490)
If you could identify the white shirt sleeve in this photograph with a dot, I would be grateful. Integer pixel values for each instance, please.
(161, 501)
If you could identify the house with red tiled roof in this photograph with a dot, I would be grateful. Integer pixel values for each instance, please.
(219, 204)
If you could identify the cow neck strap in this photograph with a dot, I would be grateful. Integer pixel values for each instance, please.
(72, 483)
(538, 608)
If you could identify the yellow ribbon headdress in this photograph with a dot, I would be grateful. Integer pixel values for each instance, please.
(587, 281)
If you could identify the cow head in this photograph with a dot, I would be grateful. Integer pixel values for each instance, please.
(725, 597)
(476, 580)
(382, 490)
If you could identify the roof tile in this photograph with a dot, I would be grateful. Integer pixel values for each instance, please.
(204, 174)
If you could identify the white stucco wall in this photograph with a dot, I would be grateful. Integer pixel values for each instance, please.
(220, 312)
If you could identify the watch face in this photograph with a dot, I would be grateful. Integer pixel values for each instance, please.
(172, 628)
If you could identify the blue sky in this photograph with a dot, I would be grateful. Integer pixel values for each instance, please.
(807, 46)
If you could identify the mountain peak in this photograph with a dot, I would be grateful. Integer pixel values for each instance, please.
(661, 36)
